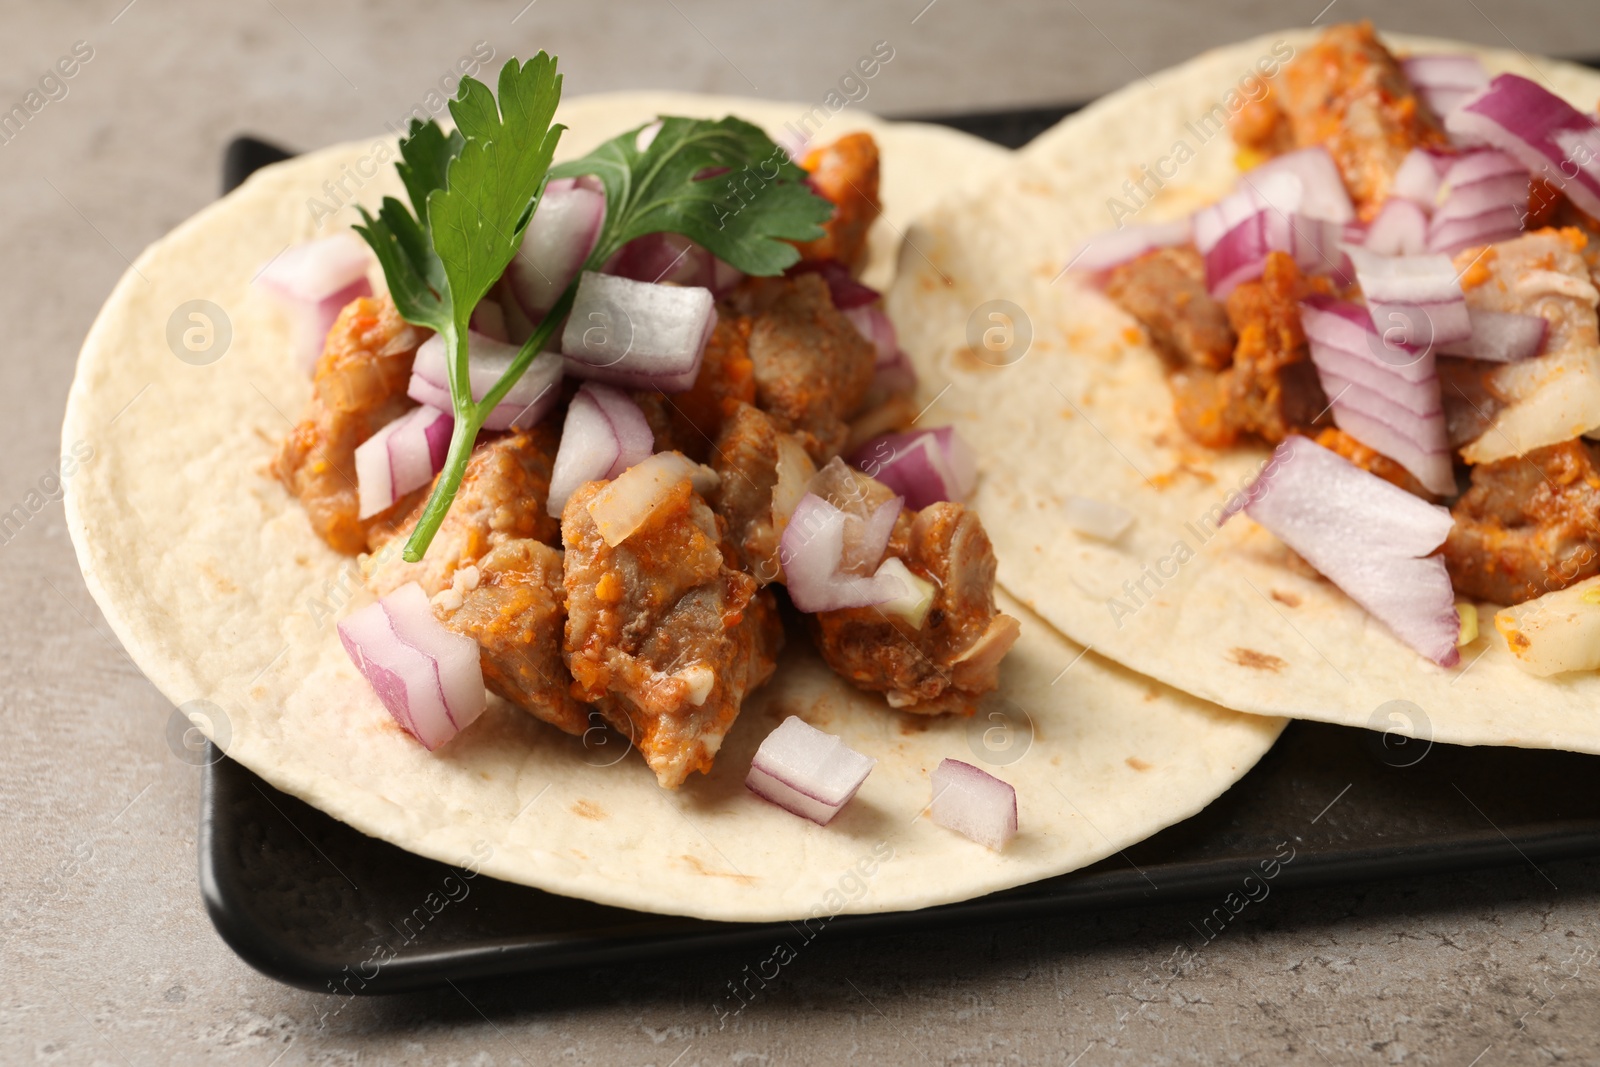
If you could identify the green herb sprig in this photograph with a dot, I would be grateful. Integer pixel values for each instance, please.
(724, 184)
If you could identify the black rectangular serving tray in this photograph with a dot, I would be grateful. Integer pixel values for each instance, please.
(314, 903)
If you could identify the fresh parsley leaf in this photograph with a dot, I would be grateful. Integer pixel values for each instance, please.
(746, 215)
(424, 162)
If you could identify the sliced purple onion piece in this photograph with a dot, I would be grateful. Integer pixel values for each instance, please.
(1416, 301)
(924, 466)
(429, 679)
(1500, 337)
(1445, 81)
(1370, 538)
(973, 803)
(817, 570)
(1115, 247)
(1401, 229)
(402, 456)
(637, 334)
(605, 434)
(1550, 138)
(558, 239)
(806, 771)
(313, 282)
(528, 401)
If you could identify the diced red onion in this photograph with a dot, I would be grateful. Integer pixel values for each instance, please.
(812, 552)
(1370, 538)
(1115, 247)
(1419, 177)
(636, 334)
(1401, 229)
(605, 433)
(1322, 192)
(924, 466)
(1500, 337)
(489, 319)
(558, 239)
(872, 322)
(1317, 246)
(1445, 81)
(313, 282)
(1393, 407)
(633, 496)
(1416, 300)
(1551, 139)
(1486, 201)
(973, 803)
(672, 259)
(1281, 191)
(429, 679)
(847, 293)
(1099, 519)
(402, 456)
(806, 771)
(528, 401)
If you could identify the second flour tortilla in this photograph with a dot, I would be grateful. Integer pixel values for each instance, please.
(1084, 409)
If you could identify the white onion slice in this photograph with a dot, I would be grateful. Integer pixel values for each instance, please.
(806, 771)
(528, 401)
(633, 496)
(605, 433)
(1099, 519)
(402, 456)
(1500, 336)
(637, 334)
(1370, 538)
(1393, 407)
(1550, 138)
(558, 239)
(313, 282)
(924, 466)
(973, 803)
(813, 550)
(1414, 300)
(429, 679)
(1445, 81)
(913, 604)
(1115, 247)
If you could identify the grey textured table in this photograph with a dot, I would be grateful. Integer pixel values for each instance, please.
(106, 955)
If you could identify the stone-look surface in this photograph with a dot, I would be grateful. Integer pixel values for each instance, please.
(106, 955)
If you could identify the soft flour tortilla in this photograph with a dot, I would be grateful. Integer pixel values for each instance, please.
(210, 574)
(1087, 412)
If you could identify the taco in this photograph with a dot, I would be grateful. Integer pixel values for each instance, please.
(1303, 427)
(257, 524)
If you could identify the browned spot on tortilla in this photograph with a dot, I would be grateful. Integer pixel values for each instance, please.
(1258, 661)
(701, 868)
(223, 583)
(1518, 640)
(1138, 764)
(588, 809)
(1290, 599)
(914, 724)
(968, 359)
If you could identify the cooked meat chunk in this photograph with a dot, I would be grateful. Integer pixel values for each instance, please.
(846, 173)
(1260, 129)
(662, 635)
(812, 367)
(1271, 390)
(954, 657)
(360, 386)
(1349, 94)
(1165, 290)
(513, 604)
(763, 474)
(689, 422)
(1528, 526)
(502, 497)
(493, 574)
(1498, 410)
(1336, 440)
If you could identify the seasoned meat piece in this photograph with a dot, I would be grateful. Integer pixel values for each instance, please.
(1499, 410)
(1336, 440)
(1271, 390)
(502, 497)
(662, 635)
(764, 473)
(513, 604)
(846, 173)
(1260, 129)
(689, 422)
(493, 574)
(954, 657)
(812, 367)
(360, 386)
(1166, 291)
(1528, 526)
(1348, 93)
